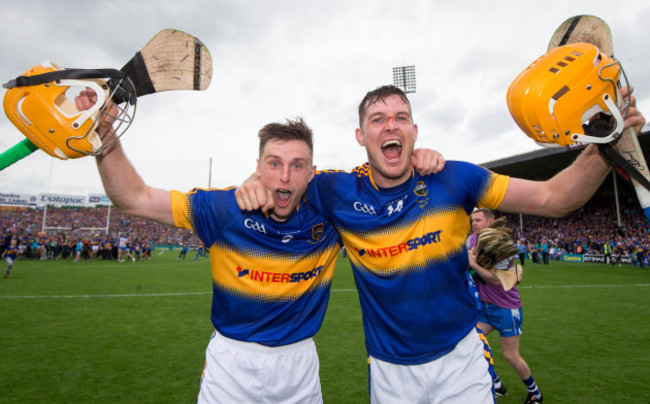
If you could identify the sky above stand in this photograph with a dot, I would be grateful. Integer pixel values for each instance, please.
(274, 60)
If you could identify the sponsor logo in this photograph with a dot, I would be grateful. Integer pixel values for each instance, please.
(409, 245)
(364, 208)
(12, 199)
(276, 277)
(595, 258)
(252, 224)
(287, 235)
(66, 200)
(396, 207)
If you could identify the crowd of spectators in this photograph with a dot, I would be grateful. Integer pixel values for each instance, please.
(593, 229)
(73, 233)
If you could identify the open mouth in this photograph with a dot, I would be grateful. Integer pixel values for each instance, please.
(282, 197)
(392, 149)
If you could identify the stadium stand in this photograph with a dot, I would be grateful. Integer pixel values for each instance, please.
(601, 220)
(69, 226)
(613, 216)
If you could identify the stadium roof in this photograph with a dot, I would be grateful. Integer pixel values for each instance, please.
(544, 163)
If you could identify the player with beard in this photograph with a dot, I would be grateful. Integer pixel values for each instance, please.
(405, 236)
(271, 273)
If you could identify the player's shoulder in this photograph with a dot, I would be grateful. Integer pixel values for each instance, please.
(458, 165)
(331, 174)
(330, 171)
(332, 180)
(211, 191)
(464, 170)
(455, 170)
(209, 196)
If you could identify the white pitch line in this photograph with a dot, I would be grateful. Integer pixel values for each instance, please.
(106, 296)
(642, 285)
(584, 286)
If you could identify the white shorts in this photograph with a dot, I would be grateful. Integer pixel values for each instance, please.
(460, 377)
(246, 372)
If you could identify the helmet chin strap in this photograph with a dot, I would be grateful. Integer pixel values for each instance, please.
(615, 132)
(65, 74)
(617, 161)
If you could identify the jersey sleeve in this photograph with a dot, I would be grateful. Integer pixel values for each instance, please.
(473, 185)
(181, 210)
(494, 192)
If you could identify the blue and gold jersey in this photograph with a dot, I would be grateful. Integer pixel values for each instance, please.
(271, 280)
(11, 252)
(407, 248)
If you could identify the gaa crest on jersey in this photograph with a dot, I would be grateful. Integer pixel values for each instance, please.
(317, 231)
(420, 189)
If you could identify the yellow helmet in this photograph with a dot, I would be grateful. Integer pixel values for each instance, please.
(568, 95)
(40, 103)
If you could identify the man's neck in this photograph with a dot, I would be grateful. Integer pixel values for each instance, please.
(384, 182)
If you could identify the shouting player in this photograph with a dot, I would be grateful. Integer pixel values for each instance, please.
(271, 273)
(405, 236)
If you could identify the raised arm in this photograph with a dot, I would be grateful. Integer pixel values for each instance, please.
(568, 190)
(122, 183)
(127, 190)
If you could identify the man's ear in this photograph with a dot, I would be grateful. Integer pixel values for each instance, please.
(257, 168)
(359, 136)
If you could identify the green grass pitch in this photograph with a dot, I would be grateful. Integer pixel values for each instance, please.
(103, 332)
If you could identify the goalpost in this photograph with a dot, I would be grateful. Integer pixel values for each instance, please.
(44, 227)
(158, 171)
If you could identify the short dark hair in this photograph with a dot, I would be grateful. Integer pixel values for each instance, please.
(295, 129)
(380, 94)
(487, 213)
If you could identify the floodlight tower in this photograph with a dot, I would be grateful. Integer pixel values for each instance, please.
(404, 78)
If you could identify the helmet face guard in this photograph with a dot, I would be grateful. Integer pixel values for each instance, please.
(41, 104)
(570, 94)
